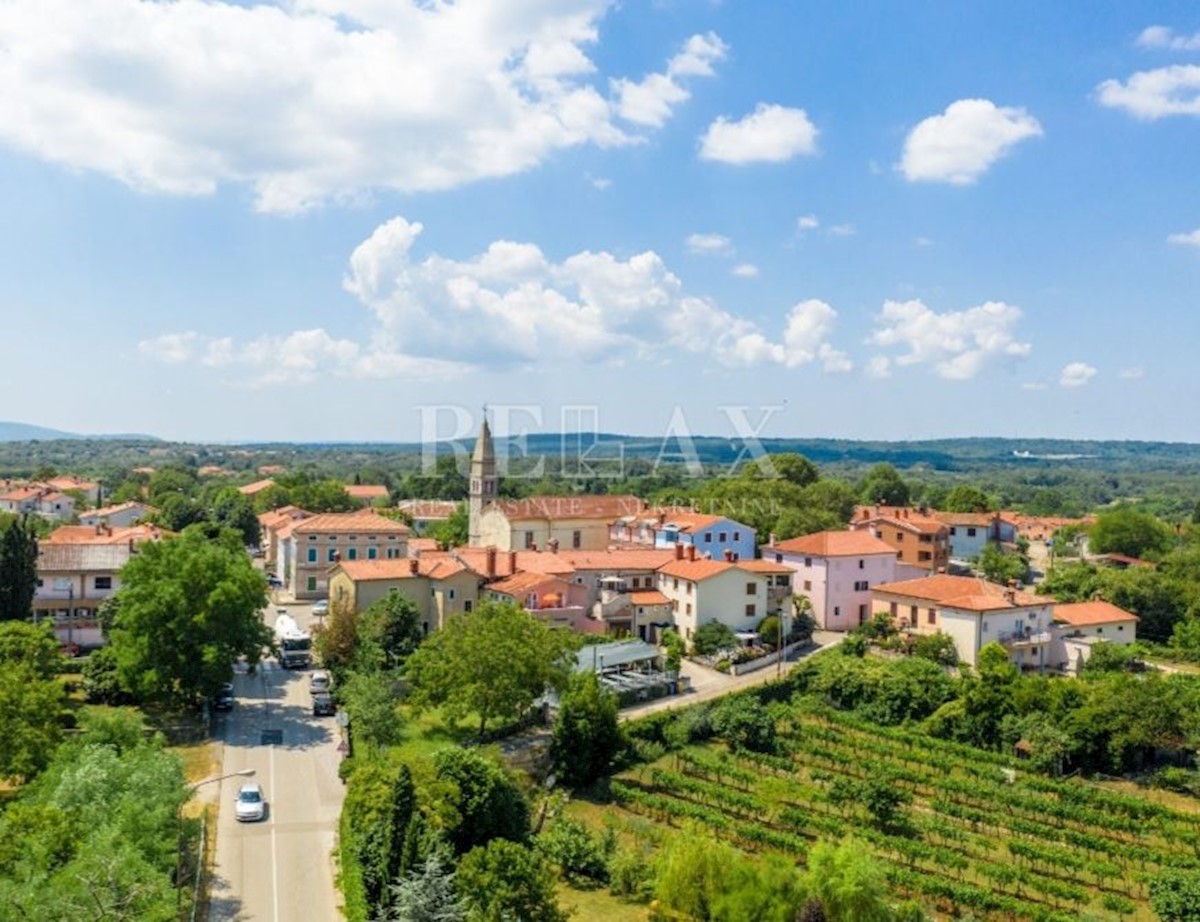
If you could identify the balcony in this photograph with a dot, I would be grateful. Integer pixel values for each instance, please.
(1028, 637)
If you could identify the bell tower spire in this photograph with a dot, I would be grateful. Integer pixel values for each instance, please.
(482, 487)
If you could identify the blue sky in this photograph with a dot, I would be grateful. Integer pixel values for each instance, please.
(307, 220)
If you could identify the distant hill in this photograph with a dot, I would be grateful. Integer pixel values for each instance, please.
(25, 432)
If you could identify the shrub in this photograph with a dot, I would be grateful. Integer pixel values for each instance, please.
(631, 875)
(578, 854)
(744, 724)
(711, 637)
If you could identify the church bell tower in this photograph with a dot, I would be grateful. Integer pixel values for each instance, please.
(482, 485)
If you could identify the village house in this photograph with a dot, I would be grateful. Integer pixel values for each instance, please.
(425, 512)
(253, 489)
(836, 571)
(972, 612)
(1078, 626)
(118, 516)
(739, 594)
(317, 543)
(276, 527)
(38, 499)
(438, 588)
(366, 494)
(88, 489)
(972, 532)
(712, 535)
(921, 541)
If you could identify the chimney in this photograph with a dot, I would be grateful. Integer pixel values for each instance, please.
(691, 549)
(99, 529)
(490, 569)
(679, 550)
(534, 548)
(771, 539)
(728, 555)
(866, 514)
(552, 545)
(413, 564)
(512, 562)
(131, 545)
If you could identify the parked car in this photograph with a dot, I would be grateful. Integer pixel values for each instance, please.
(323, 705)
(319, 682)
(223, 700)
(251, 805)
(274, 582)
(321, 607)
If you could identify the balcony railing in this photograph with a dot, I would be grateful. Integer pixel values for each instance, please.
(1024, 638)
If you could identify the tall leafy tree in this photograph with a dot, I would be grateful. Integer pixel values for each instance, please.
(18, 569)
(387, 633)
(504, 881)
(493, 663)
(187, 609)
(967, 498)
(454, 531)
(848, 883)
(474, 800)
(230, 508)
(1130, 531)
(31, 698)
(587, 735)
(375, 819)
(884, 485)
(1175, 896)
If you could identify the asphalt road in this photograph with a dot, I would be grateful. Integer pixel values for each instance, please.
(280, 869)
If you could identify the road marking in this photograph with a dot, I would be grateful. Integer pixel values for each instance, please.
(274, 844)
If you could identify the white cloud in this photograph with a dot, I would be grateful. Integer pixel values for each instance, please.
(313, 101)
(510, 306)
(649, 101)
(1076, 374)
(842, 230)
(170, 348)
(879, 366)
(600, 182)
(1165, 37)
(960, 145)
(807, 222)
(1033, 386)
(745, 270)
(709, 243)
(1132, 374)
(958, 344)
(770, 134)
(1190, 239)
(1155, 94)
(923, 242)
(806, 335)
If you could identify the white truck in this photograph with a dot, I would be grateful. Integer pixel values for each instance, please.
(295, 645)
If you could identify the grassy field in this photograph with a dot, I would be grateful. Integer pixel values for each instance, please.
(977, 835)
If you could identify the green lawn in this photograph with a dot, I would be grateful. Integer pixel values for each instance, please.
(599, 906)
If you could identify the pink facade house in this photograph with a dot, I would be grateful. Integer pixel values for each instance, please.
(836, 570)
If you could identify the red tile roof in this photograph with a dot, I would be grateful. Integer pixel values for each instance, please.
(907, 518)
(695, 570)
(362, 522)
(258, 486)
(1086, 614)
(966, 592)
(834, 544)
(521, 584)
(650, 597)
(365, 571)
(366, 491)
(763, 566)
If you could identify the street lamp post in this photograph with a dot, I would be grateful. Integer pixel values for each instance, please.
(244, 773)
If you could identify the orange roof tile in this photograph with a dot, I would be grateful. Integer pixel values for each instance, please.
(619, 559)
(421, 545)
(119, 507)
(966, 592)
(762, 566)
(398, 568)
(366, 491)
(258, 486)
(650, 597)
(910, 519)
(689, 521)
(695, 570)
(834, 544)
(358, 523)
(520, 584)
(1086, 614)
